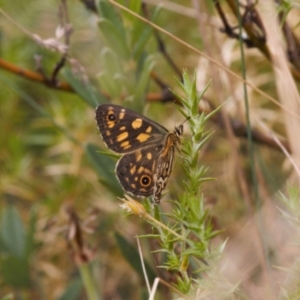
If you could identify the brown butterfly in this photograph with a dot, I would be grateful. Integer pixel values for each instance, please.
(147, 149)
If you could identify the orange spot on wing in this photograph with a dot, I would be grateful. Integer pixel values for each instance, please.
(137, 123)
(125, 145)
(143, 137)
(132, 170)
(140, 170)
(122, 114)
(122, 136)
(110, 124)
(138, 156)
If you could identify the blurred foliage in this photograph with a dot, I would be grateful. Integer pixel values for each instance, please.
(52, 158)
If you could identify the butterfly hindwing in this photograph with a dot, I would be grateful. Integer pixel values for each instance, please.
(136, 170)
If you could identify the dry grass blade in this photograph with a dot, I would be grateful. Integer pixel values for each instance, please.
(285, 84)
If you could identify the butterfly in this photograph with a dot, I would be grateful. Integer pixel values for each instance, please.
(147, 149)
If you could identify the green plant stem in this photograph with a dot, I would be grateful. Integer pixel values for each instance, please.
(247, 113)
(88, 282)
(261, 229)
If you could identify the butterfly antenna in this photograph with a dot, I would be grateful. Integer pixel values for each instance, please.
(185, 120)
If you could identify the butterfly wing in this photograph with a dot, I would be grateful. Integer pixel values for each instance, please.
(164, 166)
(136, 170)
(124, 130)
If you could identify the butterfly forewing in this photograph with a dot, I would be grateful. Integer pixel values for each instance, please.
(124, 130)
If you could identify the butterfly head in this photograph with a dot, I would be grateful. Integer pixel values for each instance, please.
(179, 129)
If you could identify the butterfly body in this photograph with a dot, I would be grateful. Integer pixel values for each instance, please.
(148, 149)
